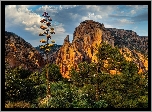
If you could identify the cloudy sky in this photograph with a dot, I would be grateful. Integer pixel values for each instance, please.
(24, 20)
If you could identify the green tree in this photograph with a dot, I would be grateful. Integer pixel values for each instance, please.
(126, 90)
(123, 91)
(86, 82)
(76, 79)
(112, 55)
(18, 86)
(84, 97)
(60, 96)
(39, 81)
(53, 72)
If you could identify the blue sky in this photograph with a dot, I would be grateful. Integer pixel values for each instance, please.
(24, 20)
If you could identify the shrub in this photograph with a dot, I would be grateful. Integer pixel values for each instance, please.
(54, 73)
(18, 87)
(19, 104)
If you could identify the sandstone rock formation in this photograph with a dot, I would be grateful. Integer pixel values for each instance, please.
(86, 39)
(20, 53)
(136, 57)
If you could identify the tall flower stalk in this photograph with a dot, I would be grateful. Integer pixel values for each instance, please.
(46, 48)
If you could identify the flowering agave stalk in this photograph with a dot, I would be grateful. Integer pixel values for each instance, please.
(45, 25)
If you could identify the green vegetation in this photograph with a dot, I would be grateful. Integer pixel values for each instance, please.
(90, 87)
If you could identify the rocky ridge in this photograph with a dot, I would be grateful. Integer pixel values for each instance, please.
(130, 39)
(18, 52)
(86, 39)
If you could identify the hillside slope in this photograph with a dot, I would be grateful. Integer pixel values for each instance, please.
(18, 52)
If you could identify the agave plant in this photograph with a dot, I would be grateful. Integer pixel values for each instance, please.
(48, 24)
(46, 48)
(52, 31)
(41, 34)
(43, 27)
(53, 41)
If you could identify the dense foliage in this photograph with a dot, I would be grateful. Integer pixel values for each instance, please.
(54, 73)
(90, 87)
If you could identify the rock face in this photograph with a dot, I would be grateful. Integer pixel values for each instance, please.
(136, 57)
(130, 39)
(86, 39)
(20, 53)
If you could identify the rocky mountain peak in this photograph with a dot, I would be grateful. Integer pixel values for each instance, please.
(66, 40)
(84, 47)
(86, 39)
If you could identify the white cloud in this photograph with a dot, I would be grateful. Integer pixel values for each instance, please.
(98, 16)
(74, 16)
(133, 12)
(108, 26)
(144, 6)
(85, 18)
(47, 8)
(91, 16)
(60, 7)
(93, 7)
(20, 15)
(67, 6)
(59, 36)
(137, 7)
(103, 10)
(59, 29)
(34, 30)
(125, 21)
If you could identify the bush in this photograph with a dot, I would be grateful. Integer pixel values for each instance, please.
(81, 98)
(18, 87)
(54, 73)
(19, 104)
(124, 91)
(100, 104)
(60, 96)
(37, 78)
